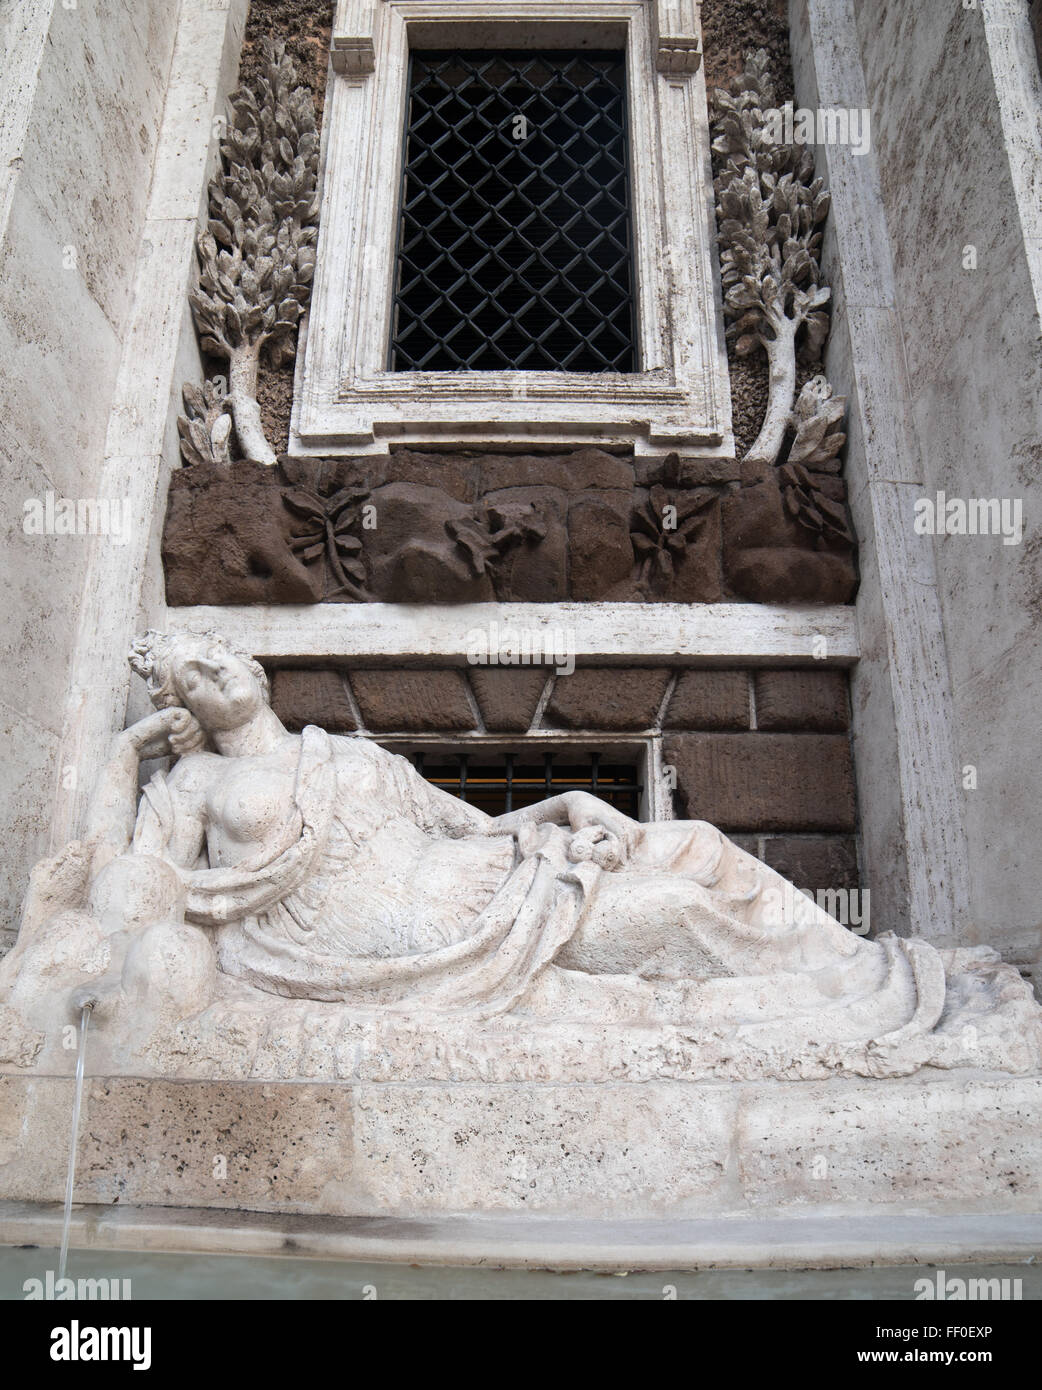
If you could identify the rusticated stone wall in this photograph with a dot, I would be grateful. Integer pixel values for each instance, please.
(763, 754)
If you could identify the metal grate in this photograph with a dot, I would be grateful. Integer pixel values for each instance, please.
(514, 235)
(508, 783)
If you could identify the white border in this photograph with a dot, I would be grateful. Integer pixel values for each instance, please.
(623, 633)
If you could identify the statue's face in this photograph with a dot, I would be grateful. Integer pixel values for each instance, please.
(219, 688)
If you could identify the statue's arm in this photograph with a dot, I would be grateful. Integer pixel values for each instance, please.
(171, 822)
(429, 806)
(578, 810)
(113, 811)
(440, 810)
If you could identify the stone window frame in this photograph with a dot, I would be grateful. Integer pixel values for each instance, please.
(346, 402)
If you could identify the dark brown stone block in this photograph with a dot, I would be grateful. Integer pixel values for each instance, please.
(533, 571)
(301, 696)
(709, 700)
(801, 700)
(750, 843)
(771, 574)
(762, 782)
(414, 552)
(609, 698)
(576, 472)
(600, 550)
(412, 701)
(678, 562)
(829, 862)
(507, 697)
(697, 573)
(769, 558)
(225, 540)
(696, 472)
(455, 474)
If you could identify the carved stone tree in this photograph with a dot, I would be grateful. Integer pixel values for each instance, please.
(786, 534)
(257, 253)
(770, 209)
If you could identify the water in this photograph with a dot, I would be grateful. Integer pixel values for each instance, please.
(77, 1101)
(169, 1276)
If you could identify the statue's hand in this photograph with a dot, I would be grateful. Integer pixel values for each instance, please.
(172, 730)
(596, 823)
(594, 844)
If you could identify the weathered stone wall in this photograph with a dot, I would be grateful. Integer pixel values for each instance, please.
(957, 125)
(966, 1142)
(82, 93)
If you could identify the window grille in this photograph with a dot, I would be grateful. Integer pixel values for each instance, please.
(514, 248)
(497, 783)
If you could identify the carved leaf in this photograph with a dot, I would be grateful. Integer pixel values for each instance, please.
(304, 503)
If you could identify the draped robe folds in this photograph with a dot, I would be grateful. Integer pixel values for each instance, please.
(371, 896)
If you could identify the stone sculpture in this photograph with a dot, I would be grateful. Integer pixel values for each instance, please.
(787, 529)
(270, 870)
(256, 257)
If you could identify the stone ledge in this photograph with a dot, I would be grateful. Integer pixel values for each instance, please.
(958, 1143)
(820, 1240)
(738, 633)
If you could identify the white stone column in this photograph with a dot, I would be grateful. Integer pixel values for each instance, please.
(140, 447)
(908, 772)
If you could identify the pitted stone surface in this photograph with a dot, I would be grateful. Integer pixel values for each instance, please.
(709, 700)
(301, 696)
(507, 697)
(963, 1141)
(412, 700)
(801, 700)
(591, 698)
(917, 1143)
(469, 1148)
(765, 781)
(814, 862)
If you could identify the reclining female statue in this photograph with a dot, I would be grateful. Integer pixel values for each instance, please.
(326, 868)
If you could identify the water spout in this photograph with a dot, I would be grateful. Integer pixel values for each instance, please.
(76, 1104)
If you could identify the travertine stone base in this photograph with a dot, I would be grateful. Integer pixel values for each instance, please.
(963, 1141)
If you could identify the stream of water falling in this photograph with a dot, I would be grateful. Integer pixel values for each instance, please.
(70, 1177)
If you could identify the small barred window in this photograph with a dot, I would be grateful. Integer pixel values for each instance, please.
(501, 782)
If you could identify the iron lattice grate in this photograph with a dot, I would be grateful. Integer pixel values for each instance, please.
(497, 784)
(514, 235)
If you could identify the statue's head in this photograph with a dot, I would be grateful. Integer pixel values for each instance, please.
(202, 673)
